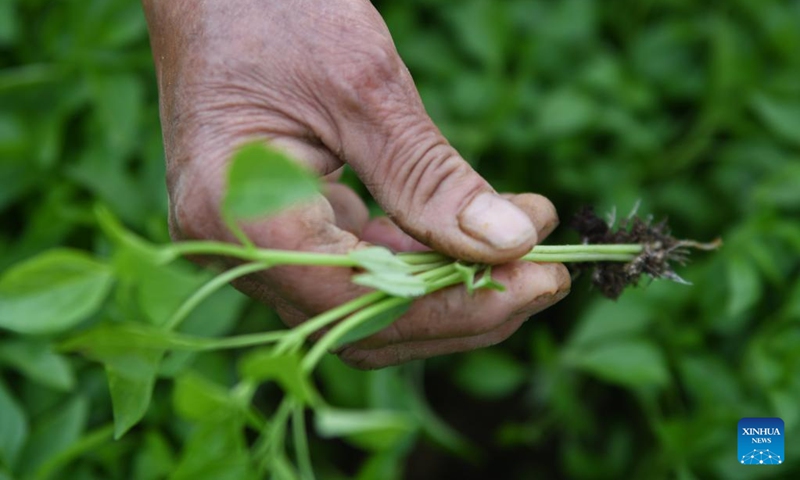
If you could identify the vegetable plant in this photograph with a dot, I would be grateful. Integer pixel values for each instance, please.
(61, 288)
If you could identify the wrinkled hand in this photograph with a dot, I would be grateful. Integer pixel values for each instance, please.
(322, 80)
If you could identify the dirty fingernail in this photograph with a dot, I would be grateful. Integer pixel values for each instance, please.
(497, 222)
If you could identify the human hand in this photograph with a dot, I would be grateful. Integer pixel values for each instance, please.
(321, 79)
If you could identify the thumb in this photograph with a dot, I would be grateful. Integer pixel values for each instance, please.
(383, 131)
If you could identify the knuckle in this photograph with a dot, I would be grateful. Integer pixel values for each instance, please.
(366, 75)
(359, 359)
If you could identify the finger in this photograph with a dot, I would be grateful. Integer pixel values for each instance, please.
(309, 228)
(379, 124)
(384, 232)
(539, 209)
(405, 352)
(453, 313)
(350, 212)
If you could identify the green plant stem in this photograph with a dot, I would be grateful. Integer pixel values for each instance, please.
(274, 435)
(578, 257)
(442, 277)
(212, 286)
(299, 334)
(581, 248)
(301, 442)
(269, 257)
(567, 253)
(342, 328)
(88, 442)
(239, 341)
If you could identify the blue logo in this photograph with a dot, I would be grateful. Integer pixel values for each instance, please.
(761, 441)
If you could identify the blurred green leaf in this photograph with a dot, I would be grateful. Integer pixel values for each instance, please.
(632, 363)
(131, 363)
(9, 22)
(263, 365)
(489, 374)
(37, 361)
(373, 325)
(52, 292)
(196, 398)
(131, 379)
(744, 286)
(263, 181)
(396, 284)
(13, 427)
(54, 433)
(605, 321)
(216, 450)
(155, 460)
(368, 429)
(565, 112)
(118, 99)
(780, 116)
(379, 259)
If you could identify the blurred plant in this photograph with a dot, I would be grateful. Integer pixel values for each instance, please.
(58, 289)
(692, 107)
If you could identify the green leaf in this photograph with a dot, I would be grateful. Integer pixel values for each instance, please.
(55, 432)
(604, 321)
(118, 100)
(9, 23)
(13, 427)
(131, 378)
(263, 365)
(396, 284)
(216, 450)
(263, 181)
(159, 289)
(468, 273)
(782, 116)
(369, 429)
(52, 292)
(131, 363)
(374, 325)
(490, 374)
(744, 285)
(155, 459)
(386, 272)
(37, 361)
(486, 281)
(565, 112)
(632, 363)
(379, 259)
(197, 398)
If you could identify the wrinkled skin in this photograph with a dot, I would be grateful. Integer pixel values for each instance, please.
(322, 80)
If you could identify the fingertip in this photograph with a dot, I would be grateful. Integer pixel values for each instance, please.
(349, 210)
(539, 209)
(497, 223)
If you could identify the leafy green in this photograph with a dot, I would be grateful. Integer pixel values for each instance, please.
(37, 361)
(372, 429)
(13, 427)
(489, 374)
(55, 432)
(373, 325)
(396, 284)
(52, 292)
(264, 365)
(631, 363)
(262, 180)
(196, 398)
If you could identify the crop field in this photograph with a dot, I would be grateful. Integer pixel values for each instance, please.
(121, 359)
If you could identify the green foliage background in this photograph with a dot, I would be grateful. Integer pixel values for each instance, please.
(691, 107)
